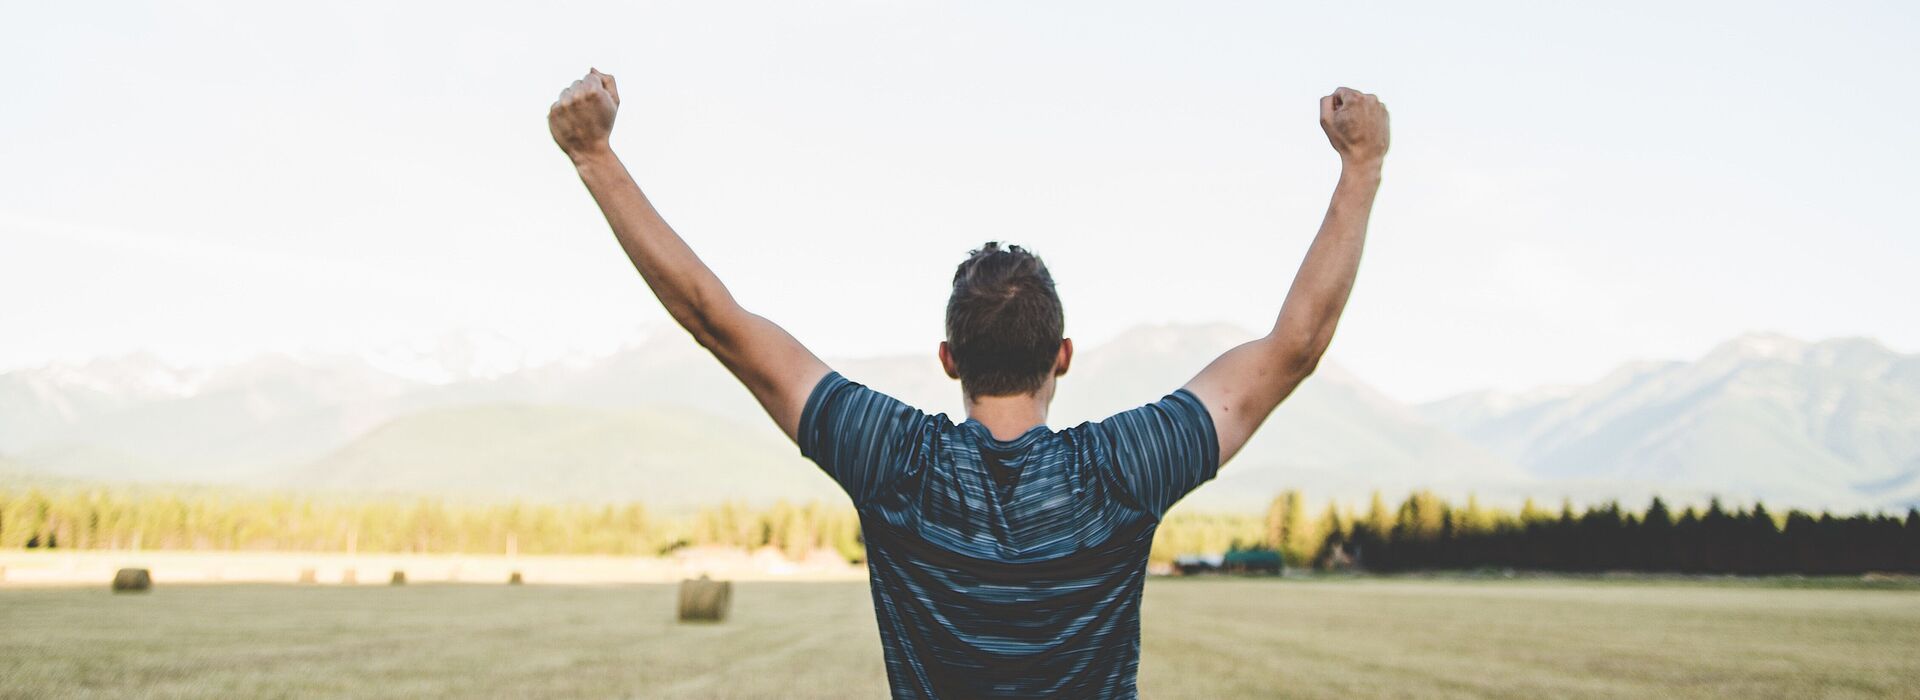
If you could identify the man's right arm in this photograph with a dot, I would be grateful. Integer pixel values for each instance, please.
(770, 362)
(1244, 385)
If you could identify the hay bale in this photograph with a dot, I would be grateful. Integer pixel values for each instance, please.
(514, 579)
(132, 581)
(704, 599)
(399, 578)
(347, 577)
(309, 576)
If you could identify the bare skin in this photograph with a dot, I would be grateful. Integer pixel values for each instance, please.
(1243, 386)
(1239, 389)
(1009, 417)
(775, 367)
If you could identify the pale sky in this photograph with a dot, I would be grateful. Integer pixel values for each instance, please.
(1568, 188)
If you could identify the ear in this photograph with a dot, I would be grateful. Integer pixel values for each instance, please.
(946, 361)
(1064, 359)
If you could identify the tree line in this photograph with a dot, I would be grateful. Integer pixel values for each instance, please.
(211, 519)
(1423, 532)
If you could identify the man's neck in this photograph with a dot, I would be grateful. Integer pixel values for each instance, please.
(1009, 417)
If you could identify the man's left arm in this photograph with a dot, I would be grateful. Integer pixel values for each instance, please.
(769, 361)
(1246, 383)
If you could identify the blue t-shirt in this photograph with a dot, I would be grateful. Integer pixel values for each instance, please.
(1007, 568)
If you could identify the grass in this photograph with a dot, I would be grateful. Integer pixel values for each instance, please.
(1417, 637)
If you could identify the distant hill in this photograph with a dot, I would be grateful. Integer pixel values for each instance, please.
(1810, 424)
(1335, 436)
(665, 458)
(16, 475)
(1338, 437)
(613, 427)
(37, 405)
(1833, 422)
(132, 418)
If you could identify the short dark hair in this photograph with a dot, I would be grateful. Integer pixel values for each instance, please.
(1004, 321)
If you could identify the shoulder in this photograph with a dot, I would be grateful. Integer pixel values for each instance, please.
(836, 396)
(1181, 409)
(1177, 430)
(838, 405)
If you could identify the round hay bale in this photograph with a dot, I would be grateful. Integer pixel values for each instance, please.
(347, 577)
(132, 581)
(704, 599)
(399, 578)
(514, 579)
(309, 576)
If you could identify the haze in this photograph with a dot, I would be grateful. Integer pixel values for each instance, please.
(1568, 188)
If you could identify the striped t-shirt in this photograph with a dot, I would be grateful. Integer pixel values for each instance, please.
(1007, 568)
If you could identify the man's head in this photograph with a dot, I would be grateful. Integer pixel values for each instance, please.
(1005, 327)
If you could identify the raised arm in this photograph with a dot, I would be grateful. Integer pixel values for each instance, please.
(1244, 385)
(775, 367)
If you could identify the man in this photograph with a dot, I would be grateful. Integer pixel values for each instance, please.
(1007, 558)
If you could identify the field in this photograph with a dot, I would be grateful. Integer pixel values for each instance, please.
(1202, 639)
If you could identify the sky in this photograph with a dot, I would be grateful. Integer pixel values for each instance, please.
(1569, 188)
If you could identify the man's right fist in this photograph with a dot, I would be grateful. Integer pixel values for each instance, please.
(582, 118)
(1356, 123)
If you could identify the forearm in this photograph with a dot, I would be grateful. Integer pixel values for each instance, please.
(1320, 289)
(690, 291)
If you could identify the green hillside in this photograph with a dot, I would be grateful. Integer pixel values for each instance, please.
(664, 458)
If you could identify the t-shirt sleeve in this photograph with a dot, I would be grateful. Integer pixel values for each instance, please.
(1161, 451)
(862, 438)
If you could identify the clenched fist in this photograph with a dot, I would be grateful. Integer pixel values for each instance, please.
(1356, 123)
(582, 118)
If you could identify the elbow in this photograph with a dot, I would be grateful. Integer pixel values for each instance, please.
(698, 323)
(702, 315)
(703, 332)
(1298, 354)
(1301, 365)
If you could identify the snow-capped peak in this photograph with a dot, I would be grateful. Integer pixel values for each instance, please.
(1761, 346)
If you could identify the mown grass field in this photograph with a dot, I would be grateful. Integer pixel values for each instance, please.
(1202, 639)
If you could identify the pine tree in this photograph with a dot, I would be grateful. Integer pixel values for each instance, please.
(1275, 536)
(1333, 535)
(1654, 545)
(1377, 519)
(1910, 536)
(1473, 521)
(1296, 536)
(1531, 513)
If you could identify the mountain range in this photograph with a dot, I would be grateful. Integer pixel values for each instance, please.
(1826, 424)
(1830, 422)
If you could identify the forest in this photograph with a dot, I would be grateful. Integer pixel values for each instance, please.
(220, 520)
(1427, 533)
(1424, 532)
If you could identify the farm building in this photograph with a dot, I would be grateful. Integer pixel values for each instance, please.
(1245, 561)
